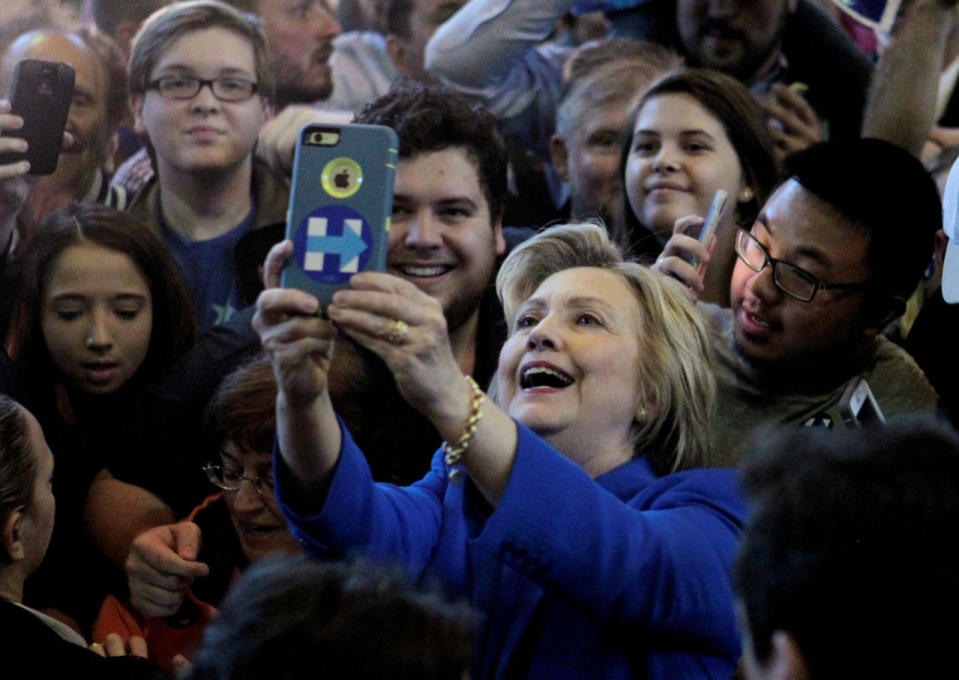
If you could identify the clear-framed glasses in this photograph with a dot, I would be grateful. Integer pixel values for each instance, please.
(794, 281)
(187, 87)
(231, 480)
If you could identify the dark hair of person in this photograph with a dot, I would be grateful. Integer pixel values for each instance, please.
(852, 547)
(430, 118)
(174, 323)
(287, 617)
(888, 193)
(729, 102)
(18, 467)
(243, 410)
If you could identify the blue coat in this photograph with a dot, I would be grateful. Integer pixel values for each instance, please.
(624, 576)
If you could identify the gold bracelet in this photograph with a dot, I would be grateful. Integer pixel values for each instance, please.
(453, 454)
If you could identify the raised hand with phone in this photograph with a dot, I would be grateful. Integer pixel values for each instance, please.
(686, 257)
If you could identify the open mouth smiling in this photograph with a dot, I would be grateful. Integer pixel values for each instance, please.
(541, 375)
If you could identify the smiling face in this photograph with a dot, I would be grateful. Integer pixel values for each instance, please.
(571, 369)
(202, 133)
(259, 525)
(96, 317)
(679, 156)
(441, 235)
(300, 33)
(775, 330)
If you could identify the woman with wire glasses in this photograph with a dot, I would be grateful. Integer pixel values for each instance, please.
(237, 526)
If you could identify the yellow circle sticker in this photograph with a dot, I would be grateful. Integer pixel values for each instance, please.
(342, 177)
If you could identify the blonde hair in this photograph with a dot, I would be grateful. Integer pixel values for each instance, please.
(678, 376)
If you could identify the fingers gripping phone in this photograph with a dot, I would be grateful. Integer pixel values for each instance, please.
(858, 407)
(40, 93)
(340, 205)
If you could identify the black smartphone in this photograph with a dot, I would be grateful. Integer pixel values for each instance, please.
(858, 406)
(340, 205)
(40, 93)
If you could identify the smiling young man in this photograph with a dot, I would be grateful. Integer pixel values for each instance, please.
(201, 87)
(830, 261)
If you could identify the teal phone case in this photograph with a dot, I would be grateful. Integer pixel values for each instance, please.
(340, 205)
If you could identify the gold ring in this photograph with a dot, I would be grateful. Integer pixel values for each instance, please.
(398, 333)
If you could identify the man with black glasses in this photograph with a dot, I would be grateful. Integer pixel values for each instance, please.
(829, 262)
(201, 87)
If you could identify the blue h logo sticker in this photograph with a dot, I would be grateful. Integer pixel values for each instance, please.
(349, 246)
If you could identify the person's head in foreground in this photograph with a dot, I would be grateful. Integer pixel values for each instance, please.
(26, 497)
(294, 617)
(603, 353)
(847, 565)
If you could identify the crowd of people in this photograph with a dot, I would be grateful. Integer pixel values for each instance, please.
(562, 434)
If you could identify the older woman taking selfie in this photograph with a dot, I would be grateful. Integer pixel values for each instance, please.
(568, 511)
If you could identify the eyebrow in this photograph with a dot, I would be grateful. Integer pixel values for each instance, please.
(808, 252)
(577, 302)
(191, 71)
(448, 200)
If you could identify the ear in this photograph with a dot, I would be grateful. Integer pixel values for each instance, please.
(11, 535)
(786, 661)
(136, 106)
(559, 155)
(396, 51)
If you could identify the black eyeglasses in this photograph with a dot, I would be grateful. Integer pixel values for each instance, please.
(790, 279)
(231, 480)
(187, 87)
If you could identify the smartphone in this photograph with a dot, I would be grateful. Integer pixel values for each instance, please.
(40, 93)
(715, 214)
(340, 205)
(858, 407)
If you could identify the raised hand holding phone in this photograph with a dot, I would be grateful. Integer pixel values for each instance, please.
(40, 94)
(681, 255)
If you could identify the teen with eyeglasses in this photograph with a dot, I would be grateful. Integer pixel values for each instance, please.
(201, 86)
(827, 264)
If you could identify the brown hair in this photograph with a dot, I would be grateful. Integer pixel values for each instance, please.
(733, 106)
(170, 23)
(243, 410)
(174, 324)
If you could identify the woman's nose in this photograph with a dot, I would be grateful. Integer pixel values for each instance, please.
(544, 335)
